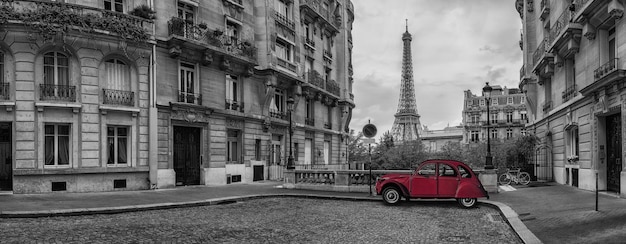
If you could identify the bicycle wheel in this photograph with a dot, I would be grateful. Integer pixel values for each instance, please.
(504, 179)
(523, 178)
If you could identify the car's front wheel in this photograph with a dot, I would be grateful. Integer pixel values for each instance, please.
(467, 202)
(391, 195)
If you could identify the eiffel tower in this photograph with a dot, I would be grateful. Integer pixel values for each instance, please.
(406, 126)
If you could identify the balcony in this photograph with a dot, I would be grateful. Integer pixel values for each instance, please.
(200, 37)
(314, 78)
(328, 54)
(192, 98)
(314, 10)
(49, 92)
(5, 91)
(234, 105)
(543, 61)
(286, 64)
(545, 9)
(569, 93)
(50, 18)
(118, 97)
(278, 114)
(309, 42)
(284, 21)
(565, 35)
(309, 121)
(333, 87)
(547, 106)
(607, 74)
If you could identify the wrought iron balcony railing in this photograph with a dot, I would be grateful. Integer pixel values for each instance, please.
(559, 25)
(539, 52)
(328, 54)
(314, 78)
(118, 97)
(333, 87)
(216, 38)
(5, 91)
(606, 69)
(310, 42)
(286, 64)
(309, 121)
(193, 98)
(57, 92)
(283, 20)
(278, 114)
(547, 106)
(234, 105)
(569, 93)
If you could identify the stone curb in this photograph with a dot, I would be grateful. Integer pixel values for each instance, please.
(512, 217)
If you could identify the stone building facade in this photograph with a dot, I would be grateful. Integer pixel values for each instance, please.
(573, 75)
(507, 115)
(196, 96)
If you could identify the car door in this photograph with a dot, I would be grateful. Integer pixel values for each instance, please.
(424, 181)
(448, 180)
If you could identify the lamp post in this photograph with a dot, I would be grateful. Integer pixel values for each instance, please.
(487, 94)
(290, 103)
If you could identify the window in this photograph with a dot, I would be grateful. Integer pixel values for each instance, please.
(56, 69)
(475, 118)
(308, 65)
(329, 117)
(446, 171)
(464, 172)
(308, 150)
(523, 100)
(509, 133)
(283, 8)
(2, 68)
(474, 136)
(232, 91)
(524, 116)
(283, 50)
(509, 117)
(187, 84)
(427, 169)
(117, 145)
(482, 102)
(326, 151)
(232, 32)
(278, 105)
(309, 111)
(523, 131)
(186, 12)
(257, 149)
(114, 5)
(296, 151)
(308, 32)
(327, 74)
(572, 143)
(57, 144)
(509, 100)
(494, 118)
(233, 151)
(117, 75)
(494, 101)
(494, 134)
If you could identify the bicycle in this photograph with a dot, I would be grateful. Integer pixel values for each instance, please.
(515, 175)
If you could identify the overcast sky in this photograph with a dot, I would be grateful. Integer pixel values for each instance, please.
(457, 45)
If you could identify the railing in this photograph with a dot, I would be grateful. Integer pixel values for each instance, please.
(545, 9)
(569, 93)
(322, 166)
(522, 72)
(540, 52)
(283, 20)
(286, 64)
(278, 114)
(234, 105)
(578, 5)
(342, 177)
(5, 91)
(309, 42)
(547, 106)
(328, 54)
(57, 92)
(227, 44)
(314, 78)
(605, 69)
(563, 20)
(333, 87)
(316, 6)
(119, 97)
(87, 18)
(309, 121)
(193, 98)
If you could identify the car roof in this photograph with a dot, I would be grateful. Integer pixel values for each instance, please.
(450, 161)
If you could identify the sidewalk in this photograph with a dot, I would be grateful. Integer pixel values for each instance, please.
(554, 213)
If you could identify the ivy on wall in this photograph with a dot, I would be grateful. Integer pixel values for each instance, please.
(53, 19)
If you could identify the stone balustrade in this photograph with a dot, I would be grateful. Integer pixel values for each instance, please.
(336, 180)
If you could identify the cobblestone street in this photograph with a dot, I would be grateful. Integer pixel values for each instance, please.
(274, 220)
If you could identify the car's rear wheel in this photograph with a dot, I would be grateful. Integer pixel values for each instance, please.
(467, 202)
(391, 195)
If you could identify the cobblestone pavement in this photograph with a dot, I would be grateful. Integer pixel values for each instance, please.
(274, 220)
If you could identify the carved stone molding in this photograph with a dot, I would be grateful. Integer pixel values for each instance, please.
(207, 58)
(191, 114)
(175, 51)
(234, 124)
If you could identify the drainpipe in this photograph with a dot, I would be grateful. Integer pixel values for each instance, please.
(153, 112)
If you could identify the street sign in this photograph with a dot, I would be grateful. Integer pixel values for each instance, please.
(369, 130)
(368, 140)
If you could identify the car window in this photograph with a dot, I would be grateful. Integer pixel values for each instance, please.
(427, 169)
(464, 172)
(446, 170)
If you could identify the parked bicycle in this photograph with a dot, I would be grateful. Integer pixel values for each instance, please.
(515, 175)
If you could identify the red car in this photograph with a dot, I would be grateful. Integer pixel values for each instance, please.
(433, 179)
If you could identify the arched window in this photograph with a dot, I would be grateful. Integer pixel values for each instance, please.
(56, 69)
(117, 75)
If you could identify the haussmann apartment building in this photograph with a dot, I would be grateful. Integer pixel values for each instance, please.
(103, 95)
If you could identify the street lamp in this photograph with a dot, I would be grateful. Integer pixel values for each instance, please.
(290, 103)
(487, 94)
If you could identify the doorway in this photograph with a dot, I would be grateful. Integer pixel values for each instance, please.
(613, 151)
(6, 158)
(187, 155)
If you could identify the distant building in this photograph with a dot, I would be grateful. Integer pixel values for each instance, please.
(435, 140)
(507, 115)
